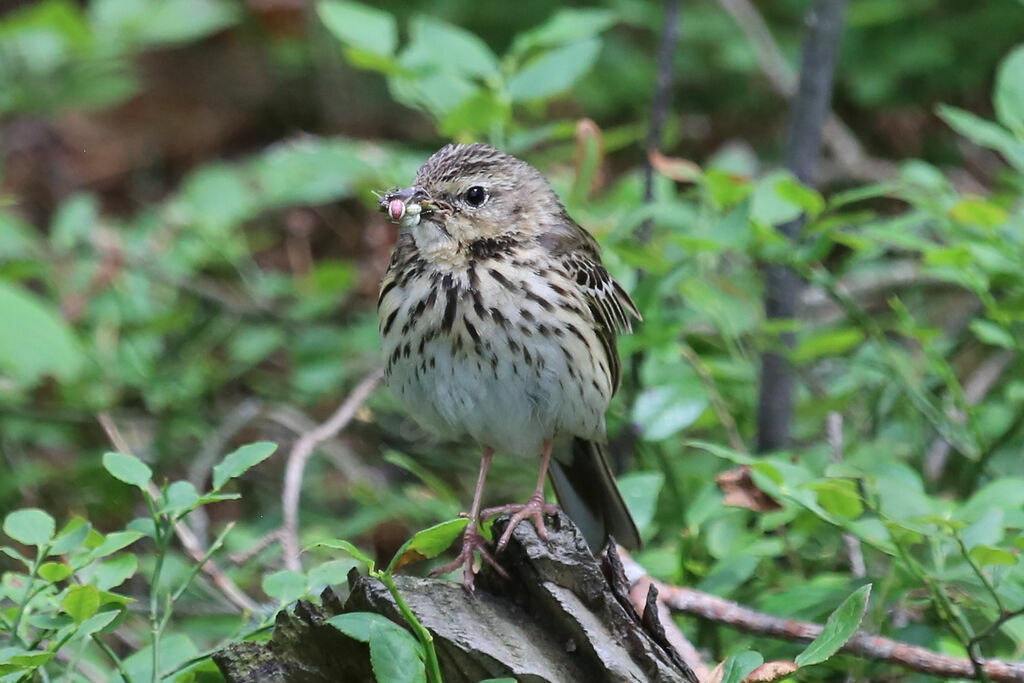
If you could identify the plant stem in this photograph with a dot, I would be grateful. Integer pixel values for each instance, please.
(433, 667)
(118, 664)
(40, 555)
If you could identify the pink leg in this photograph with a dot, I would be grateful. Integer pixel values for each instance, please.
(471, 538)
(534, 508)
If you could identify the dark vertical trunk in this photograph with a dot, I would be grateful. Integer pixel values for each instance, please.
(803, 149)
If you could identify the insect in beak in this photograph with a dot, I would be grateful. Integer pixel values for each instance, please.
(405, 205)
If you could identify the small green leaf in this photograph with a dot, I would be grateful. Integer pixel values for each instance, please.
(553, 72)
(396, 656)
(180, 497)
(237, 463)
(128, 469)
(115, 571)
(98, 622)
(356, 625)
(54, 571)
(366, 28)
(113, 542)
(565, 26)
(285, 586)
(30, 526)
(34, 339)
(81, 602)
(986, 555)
(1009, 92)
(737, 666)
(663, 411)
(71, 537)
(429, 543)
(339, 544)
(839, 496)
(992, 334)
(840, 626)
(640, 490)
(771, 207)
(462, 52)
(827, 343)
(977, 211)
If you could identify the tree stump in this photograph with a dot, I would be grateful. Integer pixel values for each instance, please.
(562, 616)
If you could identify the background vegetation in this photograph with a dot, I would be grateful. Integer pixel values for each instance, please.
(189, 255)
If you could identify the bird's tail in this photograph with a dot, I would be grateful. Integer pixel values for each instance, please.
(587, 492)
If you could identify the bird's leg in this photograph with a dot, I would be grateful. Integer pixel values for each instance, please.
(535, 508)
(472, 540)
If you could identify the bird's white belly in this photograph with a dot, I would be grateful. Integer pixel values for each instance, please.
(508, 404)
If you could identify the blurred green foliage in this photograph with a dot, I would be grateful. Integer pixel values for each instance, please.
(206, 294)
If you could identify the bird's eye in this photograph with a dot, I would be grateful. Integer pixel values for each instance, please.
(476, 195)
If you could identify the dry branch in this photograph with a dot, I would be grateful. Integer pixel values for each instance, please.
(562, 616)
(721, 611)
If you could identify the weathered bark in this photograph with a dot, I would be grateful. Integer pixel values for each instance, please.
(561, 616)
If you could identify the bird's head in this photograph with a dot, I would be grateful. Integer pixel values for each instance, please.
(467, 192)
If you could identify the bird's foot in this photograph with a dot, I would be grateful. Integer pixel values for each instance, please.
(472, 541)
(534, 508)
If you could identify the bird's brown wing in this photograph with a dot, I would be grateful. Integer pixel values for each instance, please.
(609, 303)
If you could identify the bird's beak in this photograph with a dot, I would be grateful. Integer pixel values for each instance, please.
(406, 205)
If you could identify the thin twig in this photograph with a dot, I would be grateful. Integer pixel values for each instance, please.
(717, 402)
(841, 141)
(721, 611)
(834, 429)
(661, 104)
(976, 387)
(299, 456)
(212, 450)
(782, 285)
(188, 540)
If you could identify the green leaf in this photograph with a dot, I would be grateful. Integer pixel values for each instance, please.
(396, 656)
(180, 497)
(840, 626)
(839, 496)
(339, 544)
(366, 28)
(827, 343)
(771, 207)
(640, 490)
(71, 537)
(663, 411)
(1009, 92)
(979, 212)
(54, 571)
(986, 555)
(113, 542)
(565, 26)
(990, 333)
(985, 133)
(798, 194)
(34, 340)
(440, 45)
(30, 526)
(81, 602)
(429, 543)
(553, 72)
(115, 571)
(237, 463)
(356, 625)
(737, 666)
(285, 586)
(128, 469)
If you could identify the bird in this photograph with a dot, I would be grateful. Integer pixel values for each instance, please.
(498, 325)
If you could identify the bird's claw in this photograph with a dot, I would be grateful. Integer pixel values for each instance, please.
(472, 541)
(535, 508)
